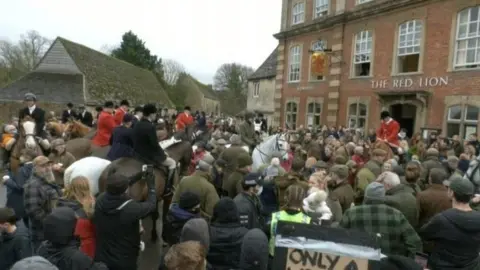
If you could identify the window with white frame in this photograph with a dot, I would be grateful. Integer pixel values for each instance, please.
(363, 1)
(317, 46)
(357, 115)
(298, 13)
(363, 54)
(462, 120)
(321, 8)
(294, 64)
(314, 111)
(256, 89)
(291, 115)
(409, 46)
(467, 47)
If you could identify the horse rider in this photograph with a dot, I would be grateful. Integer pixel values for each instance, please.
(105, 125)
(247, 131)
(184, 119)
(388, 132)
(146, 147)
(85, 116)
(121, 111)
(38, 115)
(68, 113)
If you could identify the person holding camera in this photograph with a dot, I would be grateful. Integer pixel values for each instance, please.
(116, 219)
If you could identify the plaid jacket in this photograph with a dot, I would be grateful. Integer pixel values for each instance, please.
(40, 198)
(395, 234)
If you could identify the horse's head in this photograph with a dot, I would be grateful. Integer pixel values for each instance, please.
(27, 130)
(275, 143)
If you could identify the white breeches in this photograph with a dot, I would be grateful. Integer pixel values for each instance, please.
(170, 163)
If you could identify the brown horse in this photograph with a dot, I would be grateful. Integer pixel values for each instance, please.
(181, 152)
(384, 146)
(79, 141)
(56, 129)
(26, 139)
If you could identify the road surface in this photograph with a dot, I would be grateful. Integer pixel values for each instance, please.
(149, 259)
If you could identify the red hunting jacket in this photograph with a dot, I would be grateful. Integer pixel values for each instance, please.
(389, 131)
(105, 126)
(85, 231)
(183, 120)
(119, 116)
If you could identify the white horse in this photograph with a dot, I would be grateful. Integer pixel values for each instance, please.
(89, 167)
(29, 129)
(262, 154)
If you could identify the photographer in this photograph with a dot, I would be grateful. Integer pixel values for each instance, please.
(117, 221)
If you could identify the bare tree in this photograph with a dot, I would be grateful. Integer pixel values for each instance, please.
(26, 53)
(107, 49)
(231, 80)
(171, 71)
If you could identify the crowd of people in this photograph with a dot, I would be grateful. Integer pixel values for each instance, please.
(417, 198)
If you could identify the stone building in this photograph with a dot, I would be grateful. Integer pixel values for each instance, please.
(261, 89)
(419, 59)
(198, 96)
(71, 72)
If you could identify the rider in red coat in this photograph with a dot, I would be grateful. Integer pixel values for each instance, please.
(388, 131)
(184, 119)
(122, 110)
(106, 124)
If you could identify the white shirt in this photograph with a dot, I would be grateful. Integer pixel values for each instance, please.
(31, 109)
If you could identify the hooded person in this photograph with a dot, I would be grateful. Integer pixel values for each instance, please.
(188, 207)
(34, 263)
(60, 247)
(226, 235)
(254, 252)
(315, 206)
(14, 239)
(116, 219)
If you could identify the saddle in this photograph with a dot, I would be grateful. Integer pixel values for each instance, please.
(169, 142)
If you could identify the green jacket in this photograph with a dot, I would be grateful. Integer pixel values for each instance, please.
(365, 176)
(396, 235)
(233, 185)
(402, 199)
(247, 133)
(199, 183)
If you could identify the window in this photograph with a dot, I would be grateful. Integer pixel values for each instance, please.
(317, 46)
(256, 89)
(298, 13)
(321, 8)
(363, 53)
(291, 115)
(409, 45)
(314, 110)
(467, 47)
(363, 1)
(294, 64)
(462, 120)
(357, 115)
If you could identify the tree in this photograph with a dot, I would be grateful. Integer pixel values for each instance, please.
(107, 49)
(133, 50)
(26, 53)
(232, 80)
(171, 71)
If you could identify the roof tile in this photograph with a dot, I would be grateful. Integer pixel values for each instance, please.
(267, 69)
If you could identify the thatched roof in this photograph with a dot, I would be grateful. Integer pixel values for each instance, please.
(108, 78)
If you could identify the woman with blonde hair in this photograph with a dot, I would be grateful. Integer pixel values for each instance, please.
(189, 255)
(77, 196)
(320, 203)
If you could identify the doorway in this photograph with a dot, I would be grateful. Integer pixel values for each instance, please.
(405, 115)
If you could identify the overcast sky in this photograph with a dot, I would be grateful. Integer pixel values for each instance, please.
(200, 34)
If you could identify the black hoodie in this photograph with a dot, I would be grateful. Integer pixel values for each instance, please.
(60, 247)
(226, 236)
(116, 221)
(456, 238)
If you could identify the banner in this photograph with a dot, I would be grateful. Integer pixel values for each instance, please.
(319, 63)
(311, 247)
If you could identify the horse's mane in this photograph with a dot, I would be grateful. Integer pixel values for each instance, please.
(80, 125)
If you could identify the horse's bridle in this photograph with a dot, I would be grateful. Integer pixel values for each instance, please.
(277, 148)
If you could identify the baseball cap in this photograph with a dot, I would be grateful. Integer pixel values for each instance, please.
(41, 161)
(462, 186)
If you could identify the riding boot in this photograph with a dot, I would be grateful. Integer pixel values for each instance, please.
(169, 183)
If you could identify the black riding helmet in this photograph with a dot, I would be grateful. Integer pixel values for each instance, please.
(149, 109)
(384, 115)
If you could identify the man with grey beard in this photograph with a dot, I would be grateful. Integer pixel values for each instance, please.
(40, 197)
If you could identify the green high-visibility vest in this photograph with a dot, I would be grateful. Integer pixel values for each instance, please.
(284, 216)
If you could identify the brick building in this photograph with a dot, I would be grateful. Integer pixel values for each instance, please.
(419, 59)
